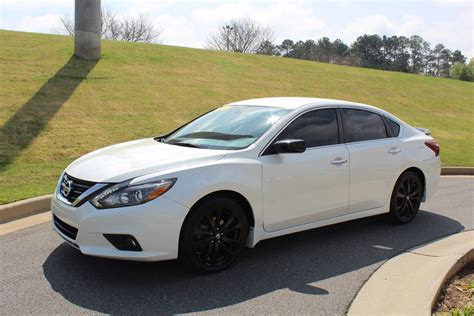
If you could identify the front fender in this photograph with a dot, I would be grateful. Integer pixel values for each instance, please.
(241, 175)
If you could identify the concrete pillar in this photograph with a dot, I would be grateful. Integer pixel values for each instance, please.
(87, 29)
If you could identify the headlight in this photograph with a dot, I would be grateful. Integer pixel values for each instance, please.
(123, 194)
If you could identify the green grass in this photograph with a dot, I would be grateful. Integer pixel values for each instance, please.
(54, 109)
(466, 311)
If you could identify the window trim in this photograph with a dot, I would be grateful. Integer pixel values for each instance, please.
(266, 151)
(390, 130)
(387, 129)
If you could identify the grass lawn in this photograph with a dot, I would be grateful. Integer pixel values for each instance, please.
(54, 108)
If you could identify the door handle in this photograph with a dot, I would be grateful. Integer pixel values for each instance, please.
(338, 161)
(394, 150)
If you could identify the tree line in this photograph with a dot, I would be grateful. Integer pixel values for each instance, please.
(395, 53)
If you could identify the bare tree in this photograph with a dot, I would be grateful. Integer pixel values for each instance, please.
(242, 36)
(138, 29)
(129, 29)
(111, 26)
(65, 26)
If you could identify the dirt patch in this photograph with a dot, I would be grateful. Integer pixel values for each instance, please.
(457, 293)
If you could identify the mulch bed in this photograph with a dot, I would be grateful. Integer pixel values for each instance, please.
(457, 293)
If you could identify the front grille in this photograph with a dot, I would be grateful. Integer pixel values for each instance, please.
(64, 228)
(72, 188)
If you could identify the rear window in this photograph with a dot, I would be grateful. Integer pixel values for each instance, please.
(394, 127)
(360, 125)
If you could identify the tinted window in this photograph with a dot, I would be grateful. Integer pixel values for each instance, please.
(394, 127)
(316, 128)
(360, 125)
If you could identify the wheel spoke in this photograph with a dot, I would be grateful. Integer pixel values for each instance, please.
(202, 231)
(219, 216)
(211, 221)
(401, 205)
(209, 250)
(230, 240)
(402, 189)
(411, 207)
(202, 241)
(228, 222)
(414, 193)
(214, 254)
(226, 250)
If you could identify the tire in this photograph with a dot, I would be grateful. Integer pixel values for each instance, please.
(213, 234)
(406, 197)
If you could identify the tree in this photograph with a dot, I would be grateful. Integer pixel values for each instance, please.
(445, 63)
(461, 71)
(286, 47)
(339, 51)
(439, 61)
(323, 50)
(129, 29)
(241, 36)
(298, 50)
(401, 56)
(65, 27)
(368, 51)
(458, 57)
(137, 29)
(268, 48)
(418, 50)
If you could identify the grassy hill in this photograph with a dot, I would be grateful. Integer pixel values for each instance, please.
(54, 108)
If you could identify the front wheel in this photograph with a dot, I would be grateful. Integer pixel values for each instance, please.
(406, 197)
(213, 234)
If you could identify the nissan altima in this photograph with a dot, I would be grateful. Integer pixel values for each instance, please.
(242, 173)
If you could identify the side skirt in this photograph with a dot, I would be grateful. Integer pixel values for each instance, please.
(257, 234)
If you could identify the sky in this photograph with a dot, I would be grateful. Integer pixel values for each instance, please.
(189, 23)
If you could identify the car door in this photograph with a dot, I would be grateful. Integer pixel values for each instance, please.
(300, 188)
(375, 158)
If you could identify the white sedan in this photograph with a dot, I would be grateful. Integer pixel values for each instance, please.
(244, 172)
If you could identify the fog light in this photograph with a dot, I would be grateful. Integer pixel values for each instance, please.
(123, 242)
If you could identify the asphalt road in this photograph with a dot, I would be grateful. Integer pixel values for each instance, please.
(317, 272)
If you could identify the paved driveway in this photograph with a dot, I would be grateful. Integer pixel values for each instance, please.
(318, 271)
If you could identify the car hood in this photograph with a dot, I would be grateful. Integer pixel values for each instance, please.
(136, 158)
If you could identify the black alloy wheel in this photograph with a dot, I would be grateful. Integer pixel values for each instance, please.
(406, 197)
(214, 234)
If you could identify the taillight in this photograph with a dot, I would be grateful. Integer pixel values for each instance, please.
(434, 146)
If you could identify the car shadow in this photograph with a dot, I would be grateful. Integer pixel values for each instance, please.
(31, 119)
(293, 261)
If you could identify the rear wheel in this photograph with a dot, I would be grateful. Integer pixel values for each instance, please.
(213, 235)
(406, 197)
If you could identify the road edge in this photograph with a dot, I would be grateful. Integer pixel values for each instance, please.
(457, 171)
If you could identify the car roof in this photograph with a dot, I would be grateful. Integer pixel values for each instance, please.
(293, 103)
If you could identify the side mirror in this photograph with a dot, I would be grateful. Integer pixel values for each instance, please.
(289, 146)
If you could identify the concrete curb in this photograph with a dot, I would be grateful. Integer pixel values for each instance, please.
(409, 284)
(457, 171)
(16, 210)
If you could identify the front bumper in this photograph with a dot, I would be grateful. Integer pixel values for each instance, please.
(155, 225)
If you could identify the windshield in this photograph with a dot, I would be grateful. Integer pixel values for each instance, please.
(228, 127)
